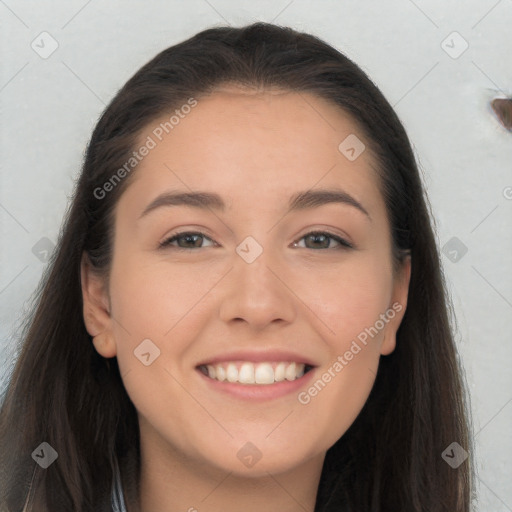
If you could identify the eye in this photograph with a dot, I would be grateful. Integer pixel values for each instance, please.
(192, 240)
(322, 240)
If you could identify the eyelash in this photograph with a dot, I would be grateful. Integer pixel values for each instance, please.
(167, 243)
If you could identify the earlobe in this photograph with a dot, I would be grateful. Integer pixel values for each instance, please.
(104, 345)
(397, 307)
(97, 318)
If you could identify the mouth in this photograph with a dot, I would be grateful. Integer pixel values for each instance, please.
(247, 373)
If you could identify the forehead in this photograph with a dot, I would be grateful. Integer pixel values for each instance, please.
(252, 144)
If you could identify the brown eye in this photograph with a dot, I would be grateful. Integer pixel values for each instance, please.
(190, 240)
(315, 239)
(322, 240)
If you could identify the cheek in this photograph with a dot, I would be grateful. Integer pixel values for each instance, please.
(350, 300)
(351, 305)
(159, 302)
(336, 397)
(165, 303)
(151, 297)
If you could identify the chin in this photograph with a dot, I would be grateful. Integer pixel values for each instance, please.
(248, 461)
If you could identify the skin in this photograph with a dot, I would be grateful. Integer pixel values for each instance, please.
(255, 149)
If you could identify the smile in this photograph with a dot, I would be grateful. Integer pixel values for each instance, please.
(264, 373)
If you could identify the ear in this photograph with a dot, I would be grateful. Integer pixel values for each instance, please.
(97, 317)
(397, 306)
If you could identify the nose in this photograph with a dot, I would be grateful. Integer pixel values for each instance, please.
(258, 293)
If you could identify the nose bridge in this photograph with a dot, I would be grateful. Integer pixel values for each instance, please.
(255, 265)
(256, 291)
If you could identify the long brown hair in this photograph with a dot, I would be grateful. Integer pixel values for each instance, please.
(61, 391)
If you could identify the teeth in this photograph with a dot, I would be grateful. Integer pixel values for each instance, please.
(250, 373)
(221, 373)
(246, 374)
(290, 372)
(264, 374)
(280, 372)
(231, 373)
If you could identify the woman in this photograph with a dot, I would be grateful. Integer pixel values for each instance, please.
(246, 308)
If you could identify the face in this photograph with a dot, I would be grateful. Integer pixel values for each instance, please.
(257, 287)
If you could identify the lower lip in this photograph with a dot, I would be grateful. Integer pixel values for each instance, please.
(258, 392)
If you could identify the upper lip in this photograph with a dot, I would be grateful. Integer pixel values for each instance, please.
(258, 357)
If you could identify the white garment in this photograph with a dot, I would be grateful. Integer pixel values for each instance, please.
(118, 504)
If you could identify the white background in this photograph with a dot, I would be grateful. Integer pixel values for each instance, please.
(49, 107)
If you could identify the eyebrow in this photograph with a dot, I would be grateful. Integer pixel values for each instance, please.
(212, 201)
